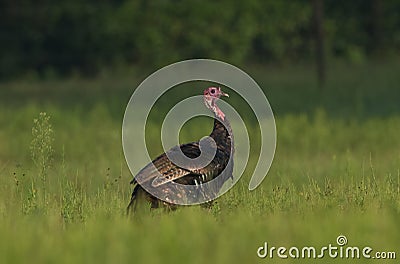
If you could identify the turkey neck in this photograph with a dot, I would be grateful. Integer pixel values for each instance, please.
(222, 135)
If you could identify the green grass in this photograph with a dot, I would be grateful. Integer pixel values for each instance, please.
(336, 171)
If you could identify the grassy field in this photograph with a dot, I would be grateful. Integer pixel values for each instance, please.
(64, 181)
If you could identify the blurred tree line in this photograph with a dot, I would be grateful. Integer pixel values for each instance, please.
(86, 35)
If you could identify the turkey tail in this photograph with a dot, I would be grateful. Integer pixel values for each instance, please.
(131, 205)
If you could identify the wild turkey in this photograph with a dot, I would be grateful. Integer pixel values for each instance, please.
(160, 176)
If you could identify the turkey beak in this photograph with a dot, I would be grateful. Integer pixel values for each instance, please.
(224, 94)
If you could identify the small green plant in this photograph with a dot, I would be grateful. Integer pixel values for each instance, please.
(42, 148)
(72, 203)
(30, 204)
(42, 144)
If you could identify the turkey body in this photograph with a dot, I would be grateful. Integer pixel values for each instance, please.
(165, 171)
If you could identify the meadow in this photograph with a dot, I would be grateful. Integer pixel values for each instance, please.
(64, 183)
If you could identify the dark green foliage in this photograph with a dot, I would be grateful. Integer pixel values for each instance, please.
(52, 38)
